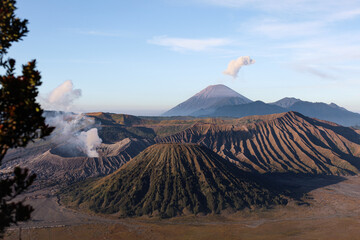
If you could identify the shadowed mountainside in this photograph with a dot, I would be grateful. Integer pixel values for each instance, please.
(249, 109)
(286, 142)
(173, 179)
(328, 112)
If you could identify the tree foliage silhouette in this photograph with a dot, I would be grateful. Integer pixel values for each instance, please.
(21, 119)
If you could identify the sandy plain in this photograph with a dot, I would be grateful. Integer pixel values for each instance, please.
(329, 210)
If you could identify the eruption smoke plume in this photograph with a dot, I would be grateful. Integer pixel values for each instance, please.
(62, 97)
(91, 140)
(235, 65)
(75, 131)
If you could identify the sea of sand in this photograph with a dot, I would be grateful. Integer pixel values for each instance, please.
(329, 210)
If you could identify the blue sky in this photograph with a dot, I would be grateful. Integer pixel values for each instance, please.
(144, 57)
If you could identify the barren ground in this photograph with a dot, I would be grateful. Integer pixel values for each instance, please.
(333, 213)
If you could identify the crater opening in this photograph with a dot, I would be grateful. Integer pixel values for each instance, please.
(68, 151)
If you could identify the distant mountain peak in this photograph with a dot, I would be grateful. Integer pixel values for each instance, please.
(286, 102)
(337, 106)
(219, 90)
(291, 99)
(207, 100)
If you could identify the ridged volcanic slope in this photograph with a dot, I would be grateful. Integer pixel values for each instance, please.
(174, 179)
(287, 142)
(54, 166)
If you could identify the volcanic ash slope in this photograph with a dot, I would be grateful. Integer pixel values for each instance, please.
(168, 180)
(285, 142)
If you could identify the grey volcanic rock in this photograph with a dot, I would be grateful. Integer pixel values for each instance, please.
(206, 101)
(54, 164)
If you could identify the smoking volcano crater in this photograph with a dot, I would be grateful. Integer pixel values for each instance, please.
(68, 150)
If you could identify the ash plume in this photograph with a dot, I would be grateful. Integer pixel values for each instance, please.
(91, 140)
(73, 131)
(235, 65)
(62, 97)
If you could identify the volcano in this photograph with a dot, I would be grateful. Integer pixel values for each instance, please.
(206, 101)
(168, 180)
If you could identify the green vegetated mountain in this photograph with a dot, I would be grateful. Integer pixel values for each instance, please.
(168, 180)
(221, 101)
(285, 142)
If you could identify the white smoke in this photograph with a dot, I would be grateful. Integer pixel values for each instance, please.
(91, 140)
(62, 97)
(235, 65)
(75, 130)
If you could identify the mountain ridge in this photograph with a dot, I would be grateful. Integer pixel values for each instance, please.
(231, 106)
(285, 142)
(277, 143)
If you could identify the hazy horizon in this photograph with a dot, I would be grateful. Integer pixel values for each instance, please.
(143, 58)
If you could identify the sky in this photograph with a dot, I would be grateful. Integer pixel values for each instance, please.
(144, 57)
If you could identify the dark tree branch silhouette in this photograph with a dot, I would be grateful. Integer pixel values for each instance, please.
(21, 119)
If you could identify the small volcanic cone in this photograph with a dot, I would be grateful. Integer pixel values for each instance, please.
(168, 180)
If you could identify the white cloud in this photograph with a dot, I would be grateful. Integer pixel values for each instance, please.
(325, 56)
(181, 44)
(307, 26)
(318, 71)
(101, 33)
(312, 36)
(277, 29)
(333, 49)
(344, 15)
(286, 5)
(235, 65)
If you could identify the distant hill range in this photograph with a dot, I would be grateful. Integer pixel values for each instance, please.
(278, 143)
(221, 101)
(168, 180)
